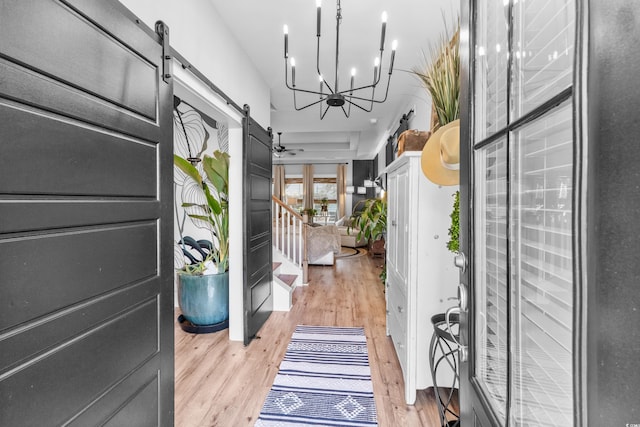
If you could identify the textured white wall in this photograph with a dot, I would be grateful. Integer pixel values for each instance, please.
(198, 33)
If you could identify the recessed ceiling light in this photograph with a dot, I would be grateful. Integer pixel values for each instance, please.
(373, 121)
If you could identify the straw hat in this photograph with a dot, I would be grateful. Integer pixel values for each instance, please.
(441, 155)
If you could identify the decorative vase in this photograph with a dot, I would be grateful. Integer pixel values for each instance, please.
(204, 300)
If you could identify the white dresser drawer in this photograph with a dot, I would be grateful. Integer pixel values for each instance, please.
(397, 304)
(398, 334)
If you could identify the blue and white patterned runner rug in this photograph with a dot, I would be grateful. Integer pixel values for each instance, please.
(324, 380)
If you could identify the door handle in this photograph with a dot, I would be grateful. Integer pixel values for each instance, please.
(462, 348)
(463, 297)
(448, 323)
(460, 261)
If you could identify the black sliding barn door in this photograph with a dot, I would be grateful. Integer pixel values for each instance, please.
(258, 273)
(86, 282)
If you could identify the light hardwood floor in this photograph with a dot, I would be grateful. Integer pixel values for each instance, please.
(223, 383)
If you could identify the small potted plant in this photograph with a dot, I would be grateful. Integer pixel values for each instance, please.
(311, 212)
(324, 205)
(371, 221)
(203, 287)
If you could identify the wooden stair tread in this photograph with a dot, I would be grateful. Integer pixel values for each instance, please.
(276, 265)
(288, 279)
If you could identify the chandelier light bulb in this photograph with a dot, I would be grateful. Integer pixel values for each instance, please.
(318, 17)
(286, 41)
(394, 46)
(353, 77)
(383, 30)
(320, 79)
(376, 64)
(293, 62)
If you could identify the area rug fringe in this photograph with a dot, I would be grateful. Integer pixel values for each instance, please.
(324, 380)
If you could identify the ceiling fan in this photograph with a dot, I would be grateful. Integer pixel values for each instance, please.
(280, 150)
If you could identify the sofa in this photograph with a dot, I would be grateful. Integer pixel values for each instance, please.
(349, 236)
(323, 243)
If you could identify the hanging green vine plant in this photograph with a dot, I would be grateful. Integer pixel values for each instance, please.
(454, 231)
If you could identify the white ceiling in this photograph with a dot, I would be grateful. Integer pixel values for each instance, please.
(257, 25)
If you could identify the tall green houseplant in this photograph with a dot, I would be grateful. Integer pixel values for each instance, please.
(371, 223)
(440, 75)
(215, 212)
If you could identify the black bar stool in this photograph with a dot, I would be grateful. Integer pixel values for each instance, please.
(443, 354)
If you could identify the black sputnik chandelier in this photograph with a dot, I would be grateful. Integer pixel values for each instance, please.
(334, 97)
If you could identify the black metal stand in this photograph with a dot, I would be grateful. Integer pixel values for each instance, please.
(444, 348)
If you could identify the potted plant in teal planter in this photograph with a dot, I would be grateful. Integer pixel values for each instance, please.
(203, 287)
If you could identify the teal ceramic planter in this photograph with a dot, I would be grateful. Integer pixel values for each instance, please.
(204, 300)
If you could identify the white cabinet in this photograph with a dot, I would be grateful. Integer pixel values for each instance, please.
(420, 271)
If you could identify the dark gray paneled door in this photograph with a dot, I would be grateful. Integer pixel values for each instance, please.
(86, 283)
(258, 256)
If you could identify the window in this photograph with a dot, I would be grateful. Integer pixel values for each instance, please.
(322, 188)
(294, 193)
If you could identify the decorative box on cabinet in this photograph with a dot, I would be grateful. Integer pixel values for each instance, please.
(420, 271)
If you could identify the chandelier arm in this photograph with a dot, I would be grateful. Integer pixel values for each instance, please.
(295, 105)
(377, 73)
(313, 92)
(372, 85)
(373, 96)
(338, 19)
(295, 89)
(377, 101)
(342, 92)
(318, 66)
(286, 74)
(325, 111)
(359, 106)
(345, 111)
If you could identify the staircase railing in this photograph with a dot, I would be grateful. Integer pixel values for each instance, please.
(290, 234)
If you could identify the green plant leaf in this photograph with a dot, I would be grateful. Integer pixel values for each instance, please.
(454, 230)
(187, 168)
(212, 201)
(201, 217)
(217, 170)
(371, 221)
